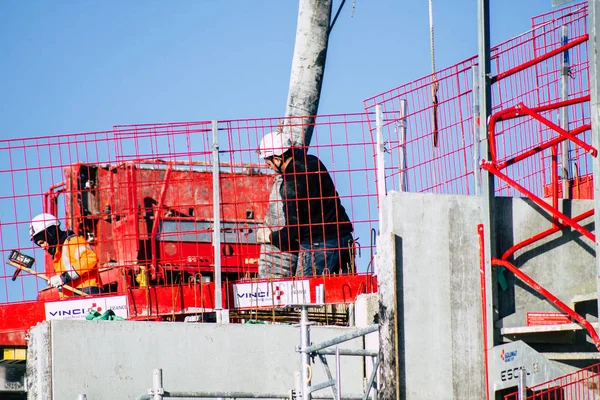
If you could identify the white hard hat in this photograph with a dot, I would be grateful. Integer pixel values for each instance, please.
(274, 144)
(42, 222)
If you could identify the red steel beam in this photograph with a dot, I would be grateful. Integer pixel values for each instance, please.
(543, 234)
(553, 299)
(532, 62)
(482, 280)
(541, 203)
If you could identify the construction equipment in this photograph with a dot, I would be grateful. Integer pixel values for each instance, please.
(168, 217)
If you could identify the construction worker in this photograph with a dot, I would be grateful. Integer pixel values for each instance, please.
(316, 221)
(75, 263)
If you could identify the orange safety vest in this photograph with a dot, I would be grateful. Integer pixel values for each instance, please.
(75, 254)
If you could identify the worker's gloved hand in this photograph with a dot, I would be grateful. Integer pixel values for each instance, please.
(55, 281)
(263, 235)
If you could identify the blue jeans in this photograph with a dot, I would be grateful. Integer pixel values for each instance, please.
(324, 256)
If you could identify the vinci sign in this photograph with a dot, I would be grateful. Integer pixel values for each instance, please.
(265, 294)
(78, 309)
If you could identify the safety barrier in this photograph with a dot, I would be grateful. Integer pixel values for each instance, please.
(142, 197)
(581, 384)
(430, 125)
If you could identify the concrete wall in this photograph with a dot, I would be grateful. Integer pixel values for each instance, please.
(429, 249)
(114, 360)
(562, 263)
(439, 308)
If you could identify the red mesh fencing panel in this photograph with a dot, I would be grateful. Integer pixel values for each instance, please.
(142, 197)
(435, 113)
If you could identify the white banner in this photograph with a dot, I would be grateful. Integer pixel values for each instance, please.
(268, 294)
(78, 309)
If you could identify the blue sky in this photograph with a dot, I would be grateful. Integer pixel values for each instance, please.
(76, 66)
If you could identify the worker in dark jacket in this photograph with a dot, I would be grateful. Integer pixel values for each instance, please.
(316, 221)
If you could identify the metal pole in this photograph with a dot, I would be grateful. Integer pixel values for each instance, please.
(522, 389)
(402, 148)
(381, 190)
(341, 338)
(304, 357)
(476, 131)
(372, 383)
(594, 62)
(338, 373)
(157, 384)
(81, 397)
(217, 219)
(564, 117)
(485, 108)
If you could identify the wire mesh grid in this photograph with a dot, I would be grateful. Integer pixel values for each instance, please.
(431, 124)
(142, 196)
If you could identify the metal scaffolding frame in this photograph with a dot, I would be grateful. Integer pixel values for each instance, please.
(308, 352)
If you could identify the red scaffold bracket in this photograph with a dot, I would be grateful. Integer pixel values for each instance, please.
(522, 110)
(572, 222)
(553, 299)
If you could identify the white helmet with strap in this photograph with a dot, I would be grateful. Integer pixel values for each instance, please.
(42, 222)
(274, 144)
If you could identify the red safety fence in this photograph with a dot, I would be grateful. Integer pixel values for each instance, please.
(141, 196)
(430, 125)
(581, 384)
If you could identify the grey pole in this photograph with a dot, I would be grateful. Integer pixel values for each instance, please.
(217, 219)
(304, 356)
(594, 61)
(402, 148)
(381, 190)
(485, 109)
(338, 373)
(157, 384)
(564, 114)
(522, 389)
(476, 131)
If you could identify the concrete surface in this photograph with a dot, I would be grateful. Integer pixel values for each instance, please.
(114, 360)
(430, 251)
(438, 303)
(562, 263)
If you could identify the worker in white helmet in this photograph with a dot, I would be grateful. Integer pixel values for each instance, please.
(316, 221)
(75, 263)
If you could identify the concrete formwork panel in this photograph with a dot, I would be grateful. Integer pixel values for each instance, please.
(431, 242)
(114, 360)
(439, 304)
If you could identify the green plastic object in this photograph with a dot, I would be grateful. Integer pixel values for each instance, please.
(108, 315)
(502, 279)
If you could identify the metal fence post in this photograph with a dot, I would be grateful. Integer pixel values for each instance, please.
(157, 384)
(402, 147)
(338, 373)
(522, 389)
(305, 357)
(594, 62)
(217, 220)
(476, 131)
(564, 114)
(381, 189)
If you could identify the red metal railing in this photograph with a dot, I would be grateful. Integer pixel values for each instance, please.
(500, 165)
(430, 146)
(582, 384)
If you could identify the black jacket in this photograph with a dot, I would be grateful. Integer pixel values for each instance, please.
(311, 204)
